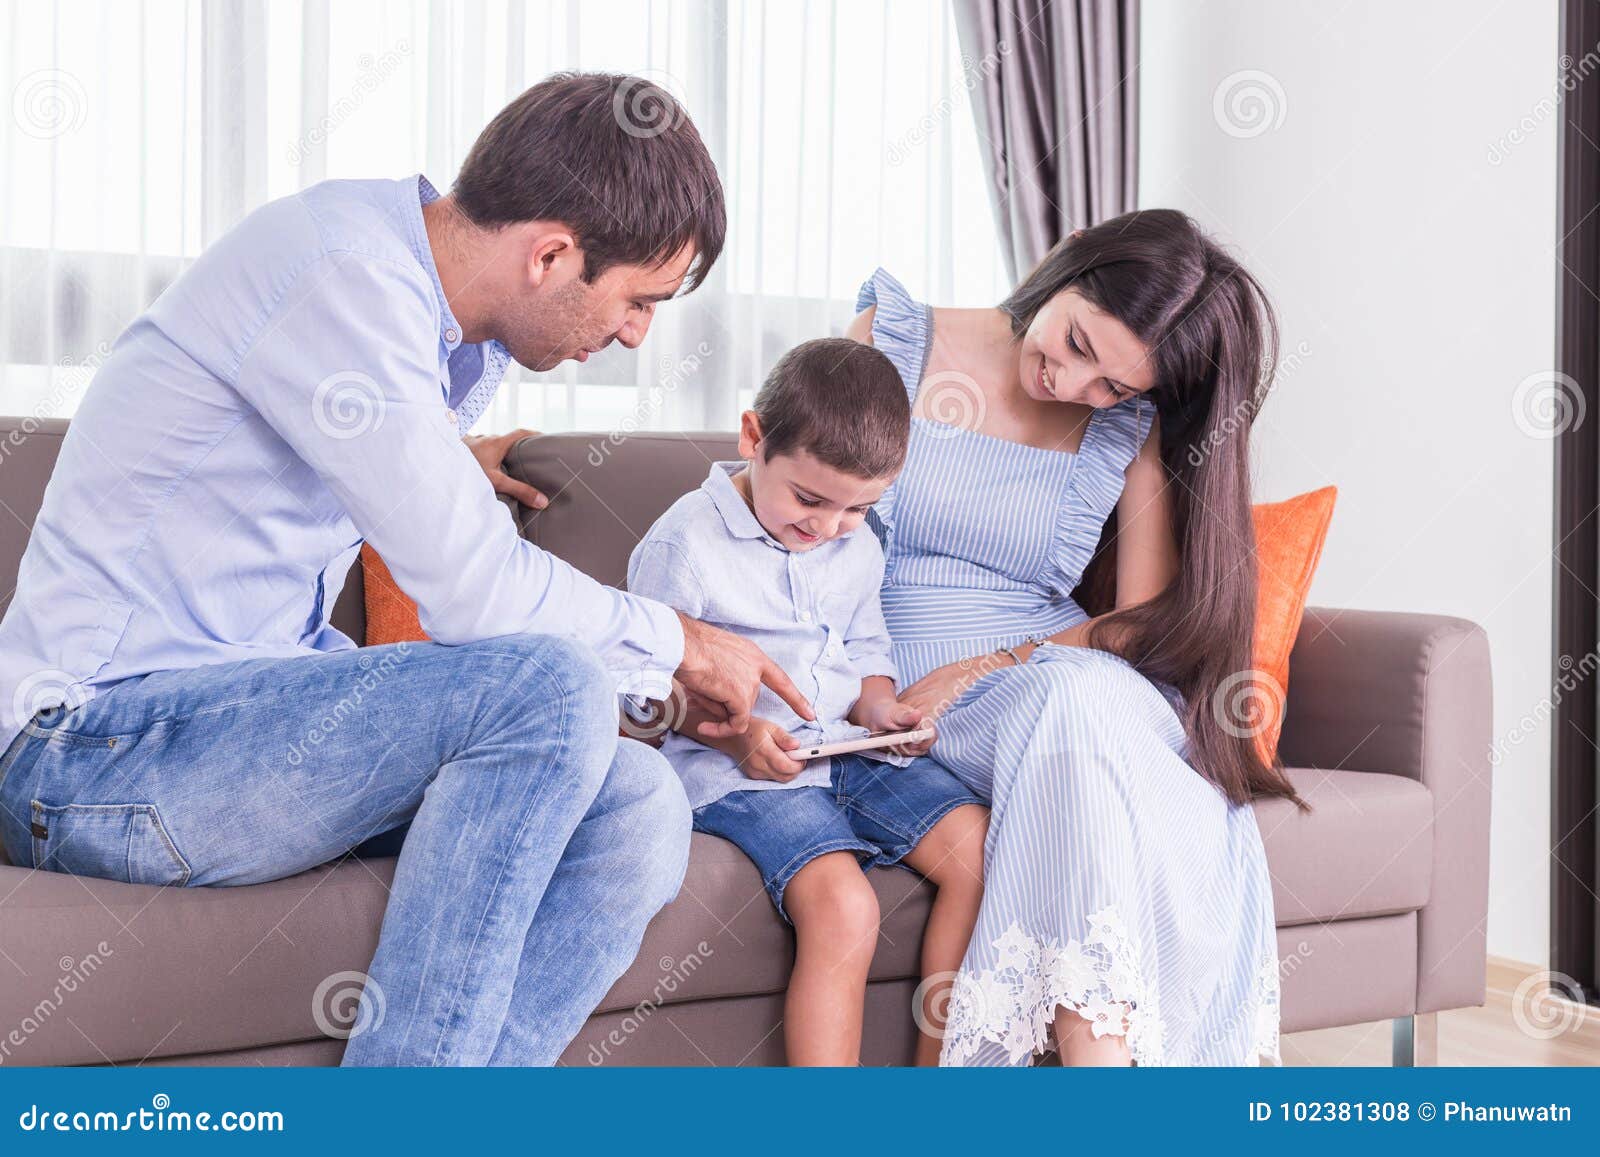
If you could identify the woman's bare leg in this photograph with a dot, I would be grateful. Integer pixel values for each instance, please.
(1079, 1045)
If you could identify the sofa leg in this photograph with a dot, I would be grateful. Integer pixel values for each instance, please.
(1416, 1040)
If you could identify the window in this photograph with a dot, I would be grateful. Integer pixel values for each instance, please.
(141, 132)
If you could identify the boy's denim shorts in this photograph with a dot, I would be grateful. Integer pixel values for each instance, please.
(876, 810)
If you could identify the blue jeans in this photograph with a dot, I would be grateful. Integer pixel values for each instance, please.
(540, 843)
(873, 809)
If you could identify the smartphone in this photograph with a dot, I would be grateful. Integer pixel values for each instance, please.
(865, 743)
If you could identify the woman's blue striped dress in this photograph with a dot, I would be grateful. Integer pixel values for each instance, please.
(1117, 877)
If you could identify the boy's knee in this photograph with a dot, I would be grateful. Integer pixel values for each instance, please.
(838, 902)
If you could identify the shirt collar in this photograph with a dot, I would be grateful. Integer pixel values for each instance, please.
(449, 328)
(736, 514)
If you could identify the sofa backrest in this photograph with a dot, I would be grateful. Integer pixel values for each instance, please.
(605, 491)
(28, 450)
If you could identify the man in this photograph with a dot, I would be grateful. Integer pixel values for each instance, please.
(179, 710)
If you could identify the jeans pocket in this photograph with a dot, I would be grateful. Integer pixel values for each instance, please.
(110, 841)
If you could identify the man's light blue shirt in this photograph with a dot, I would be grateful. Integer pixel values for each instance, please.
(816, 613)
(301, 388)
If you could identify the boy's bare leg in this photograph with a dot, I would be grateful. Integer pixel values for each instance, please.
(835, 914)
(950, 856)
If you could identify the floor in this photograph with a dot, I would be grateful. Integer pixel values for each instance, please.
(1549, 1031)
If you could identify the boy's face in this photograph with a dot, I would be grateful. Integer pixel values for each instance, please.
(798, 500)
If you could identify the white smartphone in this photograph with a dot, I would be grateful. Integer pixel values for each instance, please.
(865, 743)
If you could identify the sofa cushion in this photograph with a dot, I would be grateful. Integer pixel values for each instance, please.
(1365, 849)
(101, 971)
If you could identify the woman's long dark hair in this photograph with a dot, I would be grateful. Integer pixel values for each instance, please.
(1213, 338)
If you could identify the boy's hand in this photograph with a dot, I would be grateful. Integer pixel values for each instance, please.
(892, 715)
(763, 751)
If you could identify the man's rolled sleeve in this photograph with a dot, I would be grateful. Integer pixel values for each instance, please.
(366, 412)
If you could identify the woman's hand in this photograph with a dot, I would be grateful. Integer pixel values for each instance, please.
(936, 692)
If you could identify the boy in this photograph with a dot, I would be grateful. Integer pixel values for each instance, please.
(772, 549)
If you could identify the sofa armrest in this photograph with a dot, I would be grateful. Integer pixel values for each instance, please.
(1410, 694)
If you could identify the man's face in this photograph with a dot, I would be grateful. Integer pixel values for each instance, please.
(565, 317)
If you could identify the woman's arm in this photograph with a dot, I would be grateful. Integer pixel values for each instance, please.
(1147, 552)
(861, 328)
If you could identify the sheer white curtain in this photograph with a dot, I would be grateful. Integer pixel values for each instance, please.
(139, 130)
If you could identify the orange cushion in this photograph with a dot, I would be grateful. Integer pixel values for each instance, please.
(391, 615)
(1289, 538)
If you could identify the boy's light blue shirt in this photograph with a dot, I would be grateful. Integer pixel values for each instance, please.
(302, 387)
(815, 612)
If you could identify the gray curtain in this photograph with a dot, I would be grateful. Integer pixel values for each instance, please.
(1056, 95)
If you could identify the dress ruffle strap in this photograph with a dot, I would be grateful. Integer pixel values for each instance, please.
(1110, 443)
(900, 326)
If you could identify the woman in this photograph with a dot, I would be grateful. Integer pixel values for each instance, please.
(1128, 912)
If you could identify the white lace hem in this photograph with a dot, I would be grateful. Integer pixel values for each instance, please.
(1014, 1004)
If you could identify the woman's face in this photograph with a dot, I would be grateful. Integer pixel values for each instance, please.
(1074, 352)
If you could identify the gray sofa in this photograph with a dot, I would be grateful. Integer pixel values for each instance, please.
(1381, 891)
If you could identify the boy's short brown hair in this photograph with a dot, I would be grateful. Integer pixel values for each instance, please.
(841, 401)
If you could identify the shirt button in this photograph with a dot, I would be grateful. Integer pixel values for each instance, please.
(451, 416)
(450, 335)
(805, 616)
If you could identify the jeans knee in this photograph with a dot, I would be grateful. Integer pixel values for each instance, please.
(642, 782)
(526, 679)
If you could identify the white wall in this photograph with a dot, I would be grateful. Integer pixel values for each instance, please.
(1419, 274)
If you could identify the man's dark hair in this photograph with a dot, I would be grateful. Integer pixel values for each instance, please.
(839, 400)
(615, 158)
